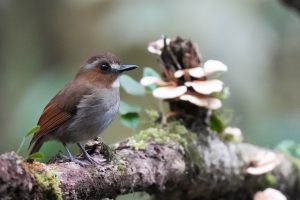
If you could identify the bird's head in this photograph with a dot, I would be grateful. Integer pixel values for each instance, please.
(104, 68)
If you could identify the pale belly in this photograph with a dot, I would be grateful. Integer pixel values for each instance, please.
(94, 113)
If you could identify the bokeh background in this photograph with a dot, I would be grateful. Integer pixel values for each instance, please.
(43, 43)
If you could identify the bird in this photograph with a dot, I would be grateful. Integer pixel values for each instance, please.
(84, 107)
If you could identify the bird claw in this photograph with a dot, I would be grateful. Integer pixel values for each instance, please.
(72, 159)
(106, 154)
(79, 162)
(88, 157)
(93, 161)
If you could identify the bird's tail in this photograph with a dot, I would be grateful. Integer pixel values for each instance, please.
(36, 145)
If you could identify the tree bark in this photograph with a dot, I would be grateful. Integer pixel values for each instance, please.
(215, 171)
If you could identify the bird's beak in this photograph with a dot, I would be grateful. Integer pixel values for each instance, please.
(124, 68)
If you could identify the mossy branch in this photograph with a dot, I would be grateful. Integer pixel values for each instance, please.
(159, 161)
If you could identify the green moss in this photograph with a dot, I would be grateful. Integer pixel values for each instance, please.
(171, 132)
(295, 164)
(220, 119)
(174, 135)
(153, 115)
(138, 145)
(50, 182)
(270, 180)
(121, 166)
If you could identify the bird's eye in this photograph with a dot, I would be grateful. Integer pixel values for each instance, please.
(105, 67)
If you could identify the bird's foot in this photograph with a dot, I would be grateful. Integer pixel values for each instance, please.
(98, 147)
(75, 160)
(79, 162)
(88, 157)
(93, 160)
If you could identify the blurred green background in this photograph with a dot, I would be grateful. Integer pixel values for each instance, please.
(43, 43)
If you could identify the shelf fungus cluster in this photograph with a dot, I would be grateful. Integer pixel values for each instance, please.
(263, 162)
(185, 79)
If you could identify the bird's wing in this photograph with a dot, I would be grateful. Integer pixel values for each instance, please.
(60, 109)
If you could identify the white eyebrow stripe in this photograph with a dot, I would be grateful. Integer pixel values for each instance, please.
(115, 66)
(90, 65)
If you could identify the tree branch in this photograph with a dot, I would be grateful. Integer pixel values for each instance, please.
(216, 169)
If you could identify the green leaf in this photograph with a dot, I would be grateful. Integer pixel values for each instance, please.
(127, 108)
(129, 114)
(33, 131)
(297, 151)
(131, 86)
(148, 71)
(130, 120)
(220, 119)
(36, 156)
(288, 147)
(216, 123)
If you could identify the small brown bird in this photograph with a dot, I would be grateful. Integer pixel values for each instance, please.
(85, 107)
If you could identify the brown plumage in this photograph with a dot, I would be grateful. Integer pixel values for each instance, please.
(59, 110)
(85, 107)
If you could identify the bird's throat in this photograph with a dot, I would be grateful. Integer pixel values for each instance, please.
(116, 83)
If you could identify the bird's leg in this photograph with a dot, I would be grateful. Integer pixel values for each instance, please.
(87, 156)
(71, 157)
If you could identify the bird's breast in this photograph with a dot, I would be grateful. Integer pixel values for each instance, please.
(94, 113)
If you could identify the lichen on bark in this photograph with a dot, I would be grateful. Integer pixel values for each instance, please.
(46, 179)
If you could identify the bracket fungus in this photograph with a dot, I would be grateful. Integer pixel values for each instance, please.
(169, 92)
(206, 87)
(186, 79)
(209, 103)
(233, 134)
(156, 47)
(263, 162)
(269, 194)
